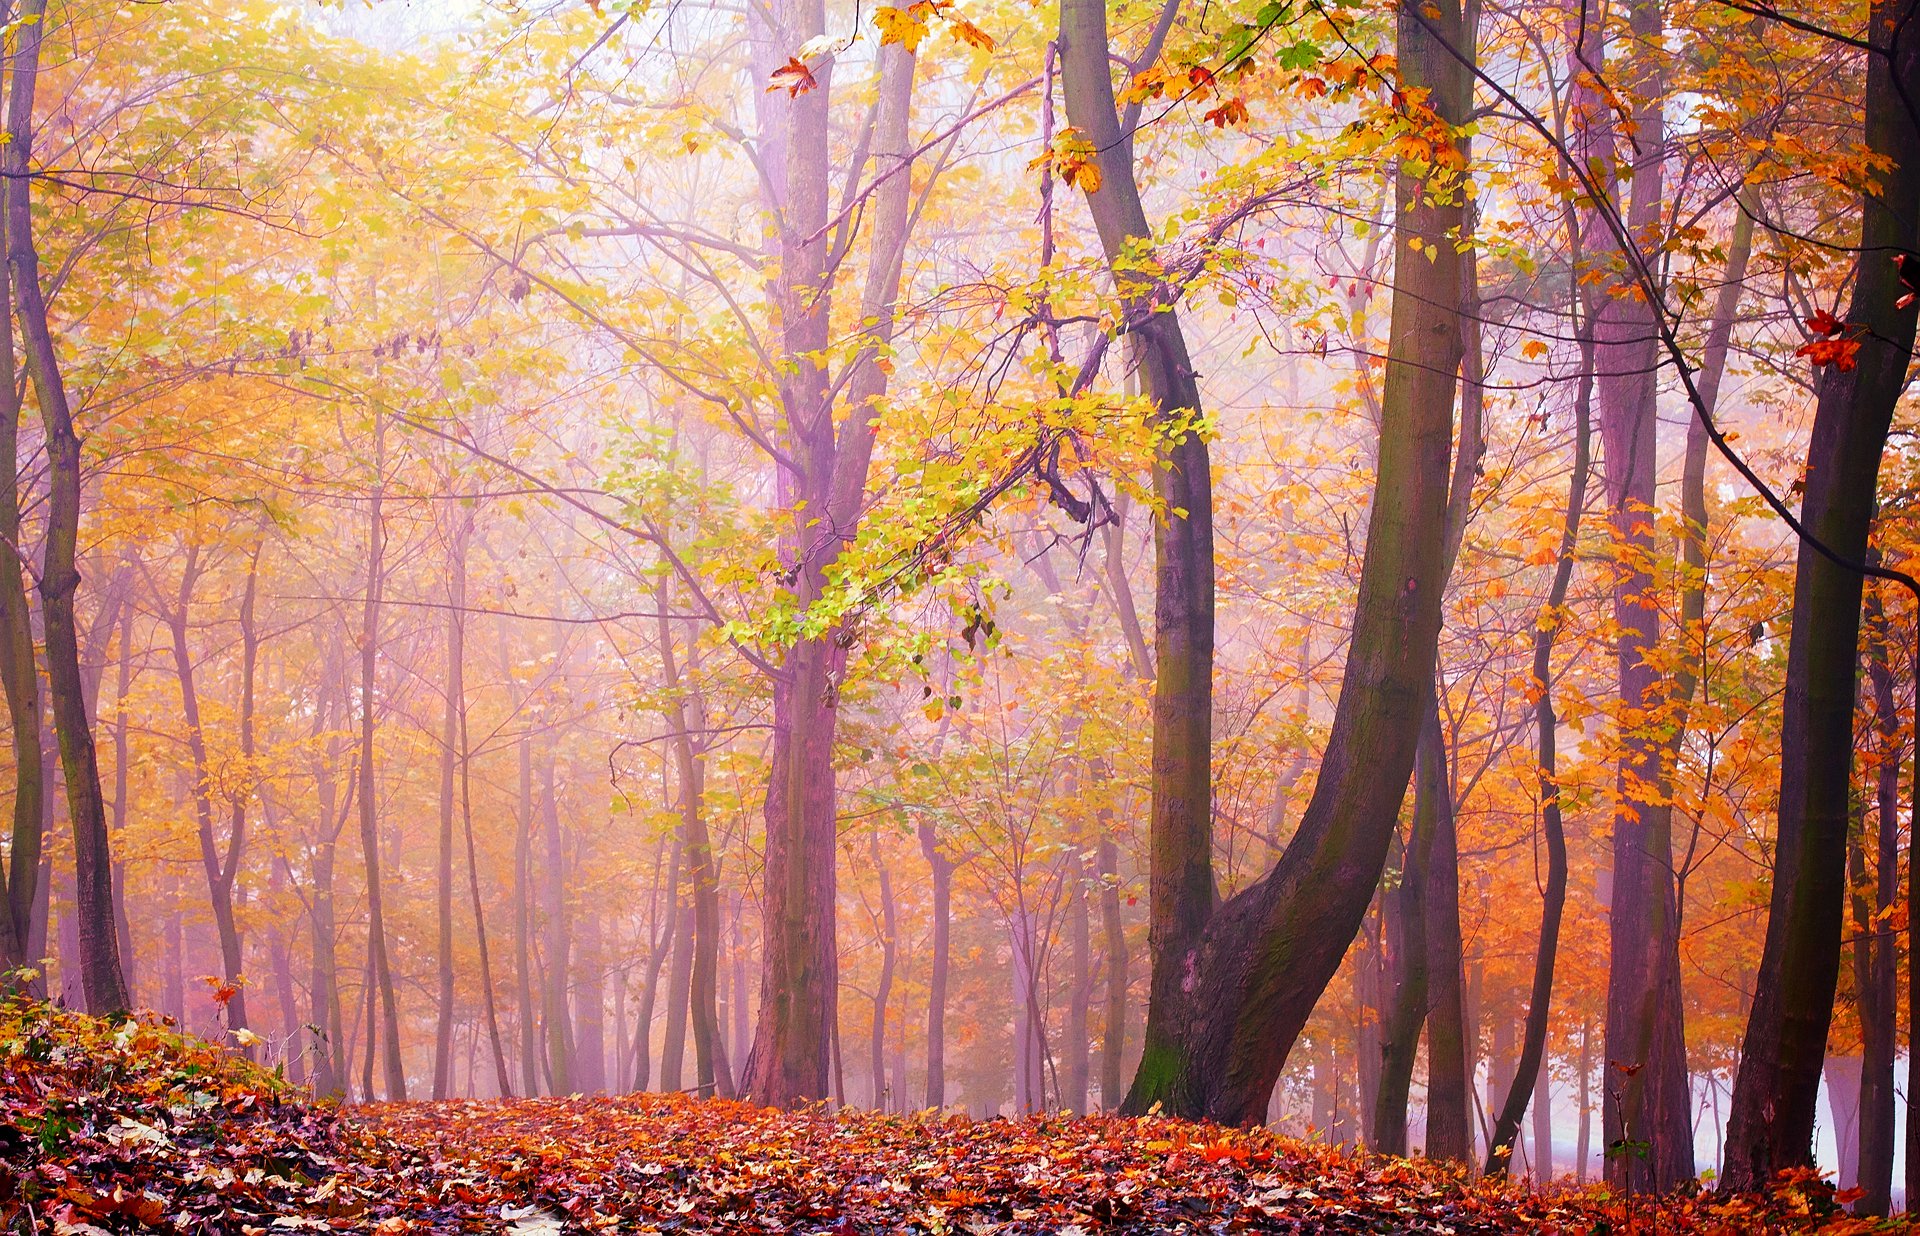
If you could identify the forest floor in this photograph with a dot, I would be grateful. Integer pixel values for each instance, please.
(132, 1127)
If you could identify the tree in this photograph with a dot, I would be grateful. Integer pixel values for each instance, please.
(1770, 1125)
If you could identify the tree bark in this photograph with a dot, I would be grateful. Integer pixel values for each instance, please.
(1268, 953)
(19, 673)
(1506, 1126)
(383, 1021)
(1877, 980)
(1180, 841)
(1113, 930)
(222, 868)
(1775, 1092)
(1078, 1047)
(822, 472)
(883, 990)
(941, 868)
(452, 757)
(105, 984)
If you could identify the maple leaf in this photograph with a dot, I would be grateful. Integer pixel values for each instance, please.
(1840, 353)
(794, 77)
(1824, 323)
(1231, 112)
(903, 26)
(970, 34)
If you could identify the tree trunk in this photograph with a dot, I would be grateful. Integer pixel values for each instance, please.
(1406, 1011)
(823, 473)
(942, 870)
(590, 1008)
(221, 869)
(451, 758)
(555, 1013)
(106, 985)
(1113, 929)
(1180, 871)
(380, 973)
(667, 920)
(1646, 1104)
(523, 926)
(1877, 957)
(328, 1018)
(19, 674)
(883, 990)
(1776, 1089)
(1073, 1096)
(1269, 952)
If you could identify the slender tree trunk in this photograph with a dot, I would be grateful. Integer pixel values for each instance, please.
(1268, 953)
(590, 1007)
(1775, 1092)
(383, 1015)
(523, 926)
(685, 714)
(555, 1014)
(1113, 929)
(883, 991)
(1878, 980)
(106, 985)
(668, 920)
(19, 675)
(503, 1077)
(1406, 1011)
(328, 1023)
(1073, 1095)
(451, 759)
(942, 869)
(1506, 1126)
(221, 868)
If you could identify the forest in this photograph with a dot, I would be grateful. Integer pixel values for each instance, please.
(1261, 582)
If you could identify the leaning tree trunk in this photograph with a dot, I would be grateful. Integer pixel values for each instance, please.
(1180, 892)
(19, 674)
(1268, 953)
(1775, 1092)
(1533, 1043)
(104, 982)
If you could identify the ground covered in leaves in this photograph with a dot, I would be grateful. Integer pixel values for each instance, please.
(131, 1127)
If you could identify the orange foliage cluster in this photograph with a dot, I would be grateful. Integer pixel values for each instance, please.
(112, 1127)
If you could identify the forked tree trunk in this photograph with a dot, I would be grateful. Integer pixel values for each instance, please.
(1265, 957)
(1646, 1105)
(1776, 1089)
(823, 472)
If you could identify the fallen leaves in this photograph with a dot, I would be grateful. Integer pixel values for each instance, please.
(110, 1129)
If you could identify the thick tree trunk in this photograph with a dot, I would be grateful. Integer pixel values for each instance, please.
(1775, 1092)
(1180, 841)
(1646, 1104)
(823, 472)
(105, 984)
(383, 1014)
(1268, 953)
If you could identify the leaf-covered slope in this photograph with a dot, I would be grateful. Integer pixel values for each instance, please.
(132, 1127)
